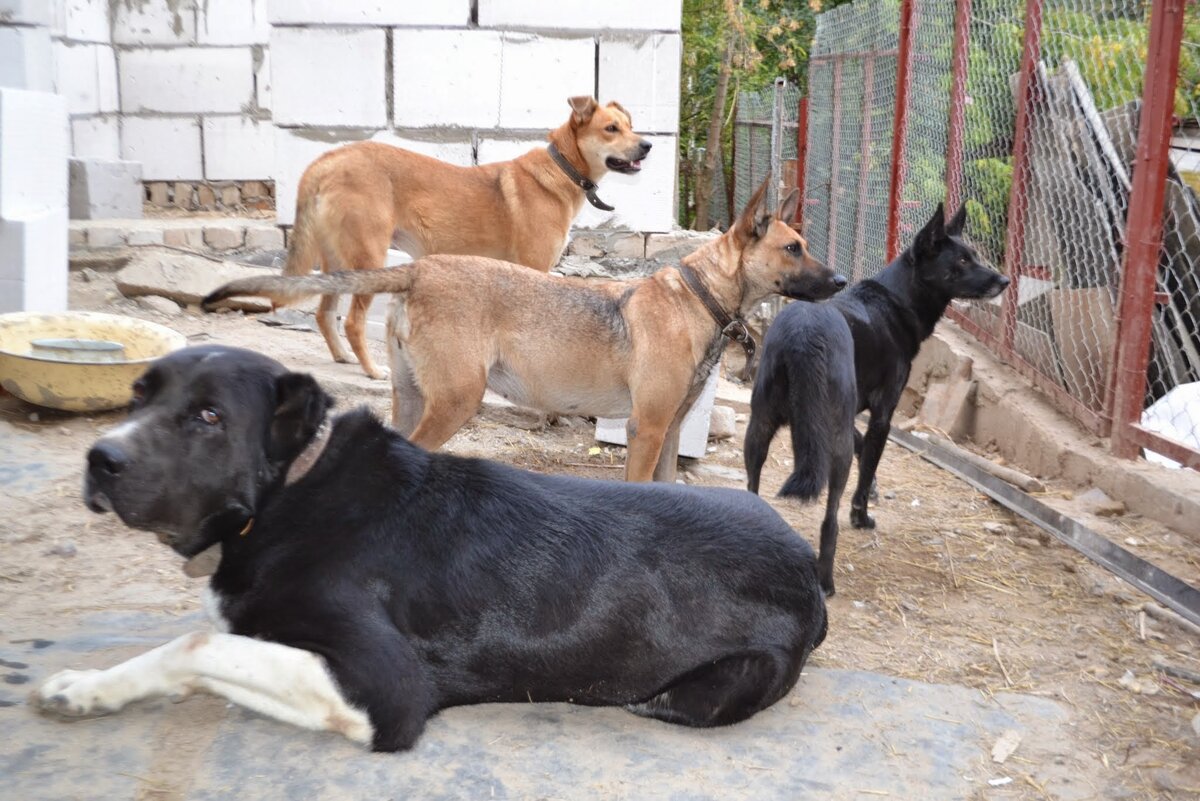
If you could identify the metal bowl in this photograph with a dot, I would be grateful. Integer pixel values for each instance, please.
(74, 376)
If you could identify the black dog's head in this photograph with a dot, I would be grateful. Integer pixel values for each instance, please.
(211, 429)
(948, 265)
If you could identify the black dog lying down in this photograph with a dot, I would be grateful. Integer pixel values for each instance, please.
(822, 363)
(365, 583)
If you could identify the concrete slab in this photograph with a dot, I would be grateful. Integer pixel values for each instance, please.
(839, 734)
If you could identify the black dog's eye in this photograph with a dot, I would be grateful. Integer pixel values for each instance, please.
(139, 392)
(611, 128)
(792, 247)
(210, 416)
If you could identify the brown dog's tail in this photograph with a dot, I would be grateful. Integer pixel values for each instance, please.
(302, 253)
(282, 289)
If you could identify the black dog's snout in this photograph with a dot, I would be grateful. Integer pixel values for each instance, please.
(645, 146)
(106, 458)
(1003, 281)
(839, 280)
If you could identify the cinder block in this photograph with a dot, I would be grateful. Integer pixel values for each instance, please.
(446, 77)
(33, 262)
(26, 59)
(25, 12)
(642, 74)
(96, 138)
(537, 76)
(262, 77)
(328, 76)
(86, 74)
(644, 202)
(87, 20)
(35, 141)
(493, 150)
(155, 23)
(210, 80)
(168, 147)
(232, 22)
(238, 149)
(370, 12)
(105, 190)
(693, 431)
(581, 15)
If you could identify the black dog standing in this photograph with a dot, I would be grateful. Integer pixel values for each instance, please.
(824, 363)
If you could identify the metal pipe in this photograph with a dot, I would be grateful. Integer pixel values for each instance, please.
(958, 97)
(900, 127)
(864, 171)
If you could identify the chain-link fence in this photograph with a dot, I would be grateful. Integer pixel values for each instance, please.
(764, 133)
(1030, 111)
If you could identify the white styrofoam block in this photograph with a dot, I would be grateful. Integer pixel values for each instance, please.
(262, 80)
(457, 152)
(186, 79)
(87, 76)
(493, 150)
(154, 23)
(644, 202)
(581, 15)
(238, 149)
(642, 74)
(26, 59)
(33, 262)
(168, 147)
(35, 141)
(26, 12)
(232, 22)
(537, 76)
(446, 77)
(370, 12)
(693, 432)
(328, 76)
(95, 138)
(88, 21)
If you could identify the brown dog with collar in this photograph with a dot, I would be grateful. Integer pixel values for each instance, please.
(356, 201)
(640, 349)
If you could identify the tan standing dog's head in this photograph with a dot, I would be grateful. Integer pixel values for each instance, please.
(773, 257)
(605, 138)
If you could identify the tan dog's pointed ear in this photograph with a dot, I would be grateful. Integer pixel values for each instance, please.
(787, 209)
(755, 219)
(582, 108)
(623, 110)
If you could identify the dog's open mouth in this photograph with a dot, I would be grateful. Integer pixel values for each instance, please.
(621, 165)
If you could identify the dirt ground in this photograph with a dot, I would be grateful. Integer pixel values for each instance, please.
(949, 589)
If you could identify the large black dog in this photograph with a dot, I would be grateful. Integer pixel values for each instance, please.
(364, 583)
(822, 363)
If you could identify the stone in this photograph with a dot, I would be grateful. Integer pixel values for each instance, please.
(671, 247)
(144, 236)
(105, 237)
(185, 279)
(264, 238)
(157, 191)
(183, 195)
(224, 237)
(184, 238)
(231, 196)
(206, 197)
(1096, 501)
(156, 303)
(77, 237)
(722, 424)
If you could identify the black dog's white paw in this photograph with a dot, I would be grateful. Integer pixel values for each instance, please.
(74, 694)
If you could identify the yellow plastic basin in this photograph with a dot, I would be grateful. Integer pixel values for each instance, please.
(72, 385)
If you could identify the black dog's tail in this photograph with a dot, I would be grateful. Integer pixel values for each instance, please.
(812, 439)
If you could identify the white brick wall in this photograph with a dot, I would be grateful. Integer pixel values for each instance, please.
(154, 22)
(26, 12)
(294, 151)
(168, 147)
(26, 59)
(192, 79)
(583, 15)
(232, 22)
(370, 12)
(335, 77)
(87, 20)
(236, 148)
(642, 74)
(33, 153)
(96, 138)
(87, 76)
(492, 150)
(262, 80)
(538, 74)
(458, 89)
(644, 202)
(455, 151)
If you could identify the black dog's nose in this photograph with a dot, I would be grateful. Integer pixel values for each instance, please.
(1003, 281)
(645, 146)
(107, 459)
(839, 280)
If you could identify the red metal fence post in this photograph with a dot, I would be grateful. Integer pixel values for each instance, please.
(801, 154)
(900, 126)
(835, 158)
(1144, 224)
(1015, 240)
(958, 97)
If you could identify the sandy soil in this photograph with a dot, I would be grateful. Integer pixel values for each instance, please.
(950, 588)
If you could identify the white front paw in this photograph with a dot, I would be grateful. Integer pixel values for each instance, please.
(76, 693)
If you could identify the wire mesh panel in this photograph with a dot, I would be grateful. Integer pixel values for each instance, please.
(753, 136)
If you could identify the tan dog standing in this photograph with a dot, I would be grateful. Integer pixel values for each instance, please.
(356, 201)
(640, 349)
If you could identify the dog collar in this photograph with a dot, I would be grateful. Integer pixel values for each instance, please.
(732, 326)
(586, 184)
(308, 457)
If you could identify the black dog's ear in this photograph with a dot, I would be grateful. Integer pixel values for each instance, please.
(933, 233)
(300, 408)
(958, 221)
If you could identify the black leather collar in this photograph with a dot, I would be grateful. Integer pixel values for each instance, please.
(732, 326)
(588, 186)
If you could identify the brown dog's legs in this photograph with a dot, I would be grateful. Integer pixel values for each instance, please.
(356, 332)
(668, 456)
(451, 399)
(408, 404)
(646, 436)
(327, 322)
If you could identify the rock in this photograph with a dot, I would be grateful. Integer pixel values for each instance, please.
(889, 496)
(723, 423)
(669, 248)
(185, 279)
(159, 304)
(63, 549)
(1196, 724)
(1136, 685)
(87, 275)
(992, 527)
(701, 470)
(1005, 745)
(1097, 502)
